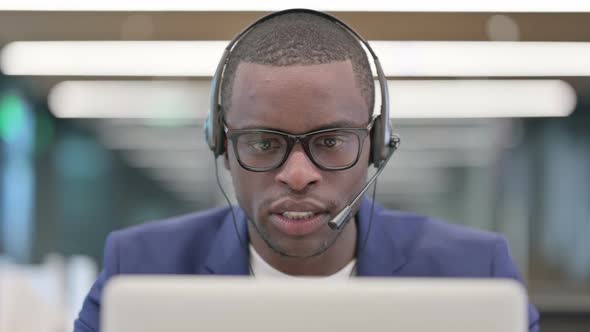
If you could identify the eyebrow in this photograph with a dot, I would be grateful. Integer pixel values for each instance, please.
(331, 125)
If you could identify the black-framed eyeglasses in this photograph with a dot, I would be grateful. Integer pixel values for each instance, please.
(263, 150)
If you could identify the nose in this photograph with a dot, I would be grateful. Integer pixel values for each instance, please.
(298, 172)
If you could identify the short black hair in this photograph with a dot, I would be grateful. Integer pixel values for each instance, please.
(298, 38)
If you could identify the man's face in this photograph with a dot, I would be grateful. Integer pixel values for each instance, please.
(296, 100)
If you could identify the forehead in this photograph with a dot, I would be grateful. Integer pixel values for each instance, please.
(296, 98)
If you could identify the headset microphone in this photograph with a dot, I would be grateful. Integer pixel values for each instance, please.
(340, 219)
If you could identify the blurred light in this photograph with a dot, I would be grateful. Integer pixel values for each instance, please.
(489, 59)
(17, 202)
(12, 117)
(112, 58)
(345, 5)
(17, 178)
(481, 98)
(130, 99)
(200, 58)
(410, 99)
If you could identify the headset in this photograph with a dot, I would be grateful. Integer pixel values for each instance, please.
(383, 142)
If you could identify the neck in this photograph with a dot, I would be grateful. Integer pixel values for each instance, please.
(340, 253)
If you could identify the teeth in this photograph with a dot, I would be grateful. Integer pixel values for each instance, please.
(297, 215)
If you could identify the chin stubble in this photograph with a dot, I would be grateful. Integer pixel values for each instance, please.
(326, 244)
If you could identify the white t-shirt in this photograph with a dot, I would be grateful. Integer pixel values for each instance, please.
(262, 269)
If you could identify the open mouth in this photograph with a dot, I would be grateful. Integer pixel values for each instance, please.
(296, 215)
(298, 223)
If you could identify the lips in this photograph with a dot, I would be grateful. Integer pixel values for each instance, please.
(296, 215)
(298, 218)
(289, 205)
(298, 227)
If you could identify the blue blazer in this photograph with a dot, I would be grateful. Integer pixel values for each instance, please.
(399, 245)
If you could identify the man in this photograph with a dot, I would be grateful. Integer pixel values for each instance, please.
(294, 74)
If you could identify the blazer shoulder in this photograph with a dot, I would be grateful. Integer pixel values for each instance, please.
(167, 246)
(418, 229)
(440, 247)
(196, 223)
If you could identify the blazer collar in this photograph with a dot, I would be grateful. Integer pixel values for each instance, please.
(229, 255)
(380, 257)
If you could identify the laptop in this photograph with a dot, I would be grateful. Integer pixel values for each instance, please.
(232, 304)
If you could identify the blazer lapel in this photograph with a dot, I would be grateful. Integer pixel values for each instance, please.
(381, 256)
(229, 255)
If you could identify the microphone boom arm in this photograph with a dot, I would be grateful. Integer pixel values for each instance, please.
(344, 215)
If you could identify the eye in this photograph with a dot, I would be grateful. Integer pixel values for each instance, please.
(264, 145)
(329, 141)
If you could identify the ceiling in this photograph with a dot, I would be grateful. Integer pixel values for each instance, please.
(223, 25)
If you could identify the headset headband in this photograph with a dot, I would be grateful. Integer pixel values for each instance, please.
(381, 136)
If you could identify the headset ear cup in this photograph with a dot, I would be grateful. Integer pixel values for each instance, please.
(377, 142)
(210, 134)
(219, 134)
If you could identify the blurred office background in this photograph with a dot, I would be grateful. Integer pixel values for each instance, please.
(101, 128)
